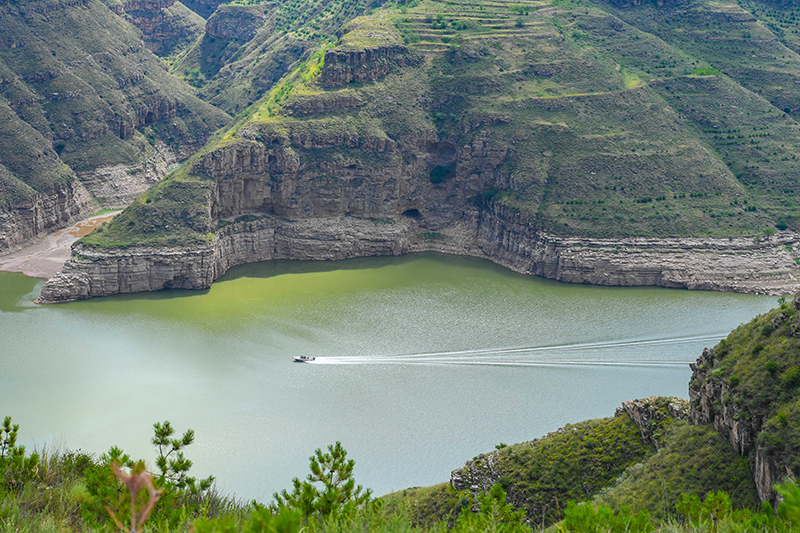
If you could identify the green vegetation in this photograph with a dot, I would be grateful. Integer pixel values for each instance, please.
(74, 492)
(692, 460)
(573, 464)
(609, 121)
(758, 374)
(78, 91)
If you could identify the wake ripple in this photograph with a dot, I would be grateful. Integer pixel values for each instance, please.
(534, 356)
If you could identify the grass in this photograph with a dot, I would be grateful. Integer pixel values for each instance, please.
(756, 370)
(692, 460)
(607, 121)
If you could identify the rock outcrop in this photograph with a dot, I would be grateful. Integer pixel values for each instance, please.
(337, 210)
(650, 415)
(234, 22)
(494, 236)
(610, 441)
(711, 404)
(368, 64)
(167, 25)
(118, 185)
(46, 212)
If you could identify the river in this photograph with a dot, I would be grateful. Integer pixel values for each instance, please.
(423, 362)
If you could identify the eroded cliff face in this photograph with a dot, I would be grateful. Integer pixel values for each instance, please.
(117, 186)
(345, 167)
(167, 25)
(360, 66)
(332, 208)
(712, 403)
(234, 22)
(46, 212)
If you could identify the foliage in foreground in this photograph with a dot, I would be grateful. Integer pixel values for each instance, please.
(72, 491)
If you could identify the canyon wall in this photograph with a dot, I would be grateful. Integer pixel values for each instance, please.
(739, 265)
(44, 213)
(715, 402)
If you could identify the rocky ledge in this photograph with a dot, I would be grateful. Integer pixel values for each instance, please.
(738, 265)
(715, 402)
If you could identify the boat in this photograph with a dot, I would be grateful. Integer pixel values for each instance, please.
(304, 359)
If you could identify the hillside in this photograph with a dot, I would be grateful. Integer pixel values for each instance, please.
(739, 433)
(91, 118)
(578, 141)
(610, 120)
(644, 458)
(248, 46)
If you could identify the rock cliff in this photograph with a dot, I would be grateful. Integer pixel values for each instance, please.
(81, 96)
(747, 388)
(711, 403)
(234, 22)
(419, 155)
(98, 272)
(360, 66)
(167, 25)
(44, 213)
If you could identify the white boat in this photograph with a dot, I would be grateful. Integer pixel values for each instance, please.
(304, 359)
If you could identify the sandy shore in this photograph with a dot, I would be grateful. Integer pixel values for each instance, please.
(45, 258)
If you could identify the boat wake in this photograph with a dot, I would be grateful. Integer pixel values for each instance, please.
(583, 354)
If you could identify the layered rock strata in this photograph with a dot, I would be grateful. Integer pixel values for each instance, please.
(710, 264)
(118, 185)
(360, 66)
(166, 25)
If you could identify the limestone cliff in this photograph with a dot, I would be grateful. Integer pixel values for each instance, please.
(708, 407)
(44, 213)
(380, 145)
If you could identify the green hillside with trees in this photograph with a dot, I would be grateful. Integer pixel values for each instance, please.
(612, 120)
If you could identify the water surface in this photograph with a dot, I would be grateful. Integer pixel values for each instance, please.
(423, 362)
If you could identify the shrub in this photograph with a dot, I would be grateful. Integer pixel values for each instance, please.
(440, 174)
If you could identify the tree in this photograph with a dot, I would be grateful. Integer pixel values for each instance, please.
(111, 484)
(329, 488)
(173, 464)
(495, 515)
(8, 440)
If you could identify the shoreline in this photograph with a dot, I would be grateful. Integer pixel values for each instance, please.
(46, 257)
(740, 265)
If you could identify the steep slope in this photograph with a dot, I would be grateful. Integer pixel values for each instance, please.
(645, 457)
(168, 26)
(557, 140)
(748, 386)
(82, 95)
(248, 46)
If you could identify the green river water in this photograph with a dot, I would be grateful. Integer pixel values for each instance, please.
(423, 362)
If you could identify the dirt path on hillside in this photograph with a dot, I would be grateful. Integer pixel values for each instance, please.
(45, 258)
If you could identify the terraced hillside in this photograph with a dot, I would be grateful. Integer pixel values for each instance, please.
(528, 132)
(90, 116)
